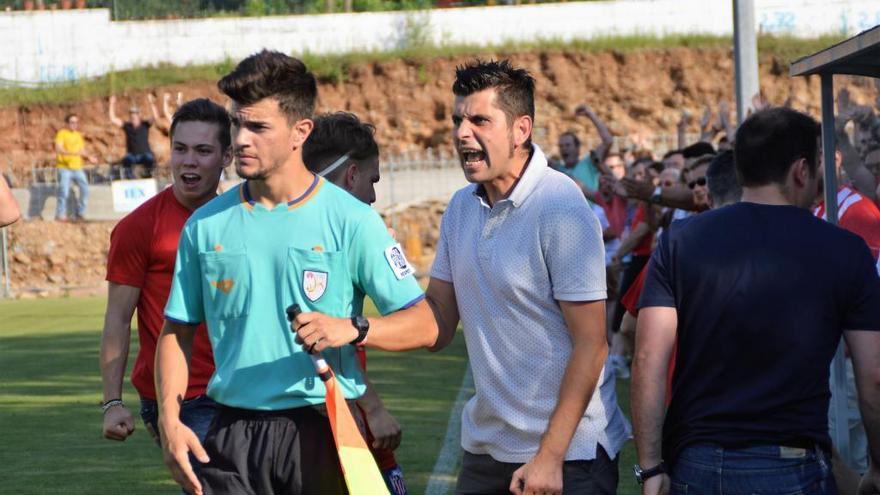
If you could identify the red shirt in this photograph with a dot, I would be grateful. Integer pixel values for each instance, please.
(858, 215)
(615, 210)
(143, 247)
(630, 300)
(644, 247)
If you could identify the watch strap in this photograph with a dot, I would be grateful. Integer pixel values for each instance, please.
(645, 474)
(362, 325)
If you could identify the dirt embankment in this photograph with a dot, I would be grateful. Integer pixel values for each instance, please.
(410, 101)
(53, 258)
(410, 104)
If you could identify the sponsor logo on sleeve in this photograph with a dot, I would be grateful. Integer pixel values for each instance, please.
(398, 262)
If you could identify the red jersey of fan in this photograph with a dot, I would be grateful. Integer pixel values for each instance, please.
(858, 215)
(630, 302)
(143, 247)
(644, 247)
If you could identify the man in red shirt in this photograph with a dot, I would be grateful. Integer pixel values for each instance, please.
(140, 265)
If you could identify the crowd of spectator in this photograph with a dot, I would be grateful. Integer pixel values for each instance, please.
(636, 194)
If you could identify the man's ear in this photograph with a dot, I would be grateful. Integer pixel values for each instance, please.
(300, 131)
(800, 172)
(227, 156)
(522, 130)
(351, 176)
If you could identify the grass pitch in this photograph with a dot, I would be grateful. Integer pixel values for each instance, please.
(50, 420)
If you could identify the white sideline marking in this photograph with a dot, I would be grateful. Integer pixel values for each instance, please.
(442, 480)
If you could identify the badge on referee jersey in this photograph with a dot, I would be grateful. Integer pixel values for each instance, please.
(314, 284)
(399, 264)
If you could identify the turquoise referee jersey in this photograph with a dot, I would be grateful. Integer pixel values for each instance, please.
(240, 265)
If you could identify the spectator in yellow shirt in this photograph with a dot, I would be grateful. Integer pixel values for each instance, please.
(69, 145)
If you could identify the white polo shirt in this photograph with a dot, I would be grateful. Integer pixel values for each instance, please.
(510, 264)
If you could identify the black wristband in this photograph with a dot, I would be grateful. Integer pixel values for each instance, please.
(111, 403)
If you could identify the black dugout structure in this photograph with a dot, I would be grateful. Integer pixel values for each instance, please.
(856, 56)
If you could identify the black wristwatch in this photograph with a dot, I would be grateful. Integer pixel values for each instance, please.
(363, 326)
(644, 474)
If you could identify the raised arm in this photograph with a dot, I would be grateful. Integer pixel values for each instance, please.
(154, 112)
(606, 136)
(121, 303)
(723, 123)
(112, 112)
(9, 210)
(707, 131)
(674, 196)
(681, 128)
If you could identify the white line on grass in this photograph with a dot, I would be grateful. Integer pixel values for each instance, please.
(442, 480)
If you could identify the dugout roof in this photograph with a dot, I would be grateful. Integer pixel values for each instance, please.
(856, 56)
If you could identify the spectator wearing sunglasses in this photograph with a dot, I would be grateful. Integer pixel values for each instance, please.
(696, 181)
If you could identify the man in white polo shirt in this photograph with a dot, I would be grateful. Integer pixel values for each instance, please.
(521, 262)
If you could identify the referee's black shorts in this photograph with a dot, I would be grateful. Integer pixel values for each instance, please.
(273, 452)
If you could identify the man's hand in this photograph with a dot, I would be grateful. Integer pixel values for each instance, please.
(636, 189)
(112, 99)
(384, 427)
(317, 331)
(583, 110)
(656, 485)
(151, 98)
(118, 423)
(177, 442)
(706, 118)
(541, 475)
(684, 120)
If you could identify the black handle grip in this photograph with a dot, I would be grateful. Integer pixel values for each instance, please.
(293, 311)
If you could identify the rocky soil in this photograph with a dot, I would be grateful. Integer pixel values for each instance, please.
(410, 101)
(51, 258)
(641, 92)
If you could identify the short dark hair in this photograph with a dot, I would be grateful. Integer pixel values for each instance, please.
(611, 155)
(577, 141)
(703, 160)
(721, 176)
(515, 87)
(70, 116)
(335, 135)
(204, 110)
(670, 153)
(697, 149)
(770, 140)
(657, 166)
(271, 74)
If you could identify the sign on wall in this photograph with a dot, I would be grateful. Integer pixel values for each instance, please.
(129, 194)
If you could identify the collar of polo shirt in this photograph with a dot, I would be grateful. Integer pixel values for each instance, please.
(535, 169)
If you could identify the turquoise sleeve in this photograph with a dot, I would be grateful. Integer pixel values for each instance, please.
(380, 269)
(185, 304)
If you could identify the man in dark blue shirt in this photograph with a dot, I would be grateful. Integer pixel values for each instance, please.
(755, 297)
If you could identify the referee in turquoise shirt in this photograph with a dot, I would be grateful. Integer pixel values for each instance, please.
(284, 236)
